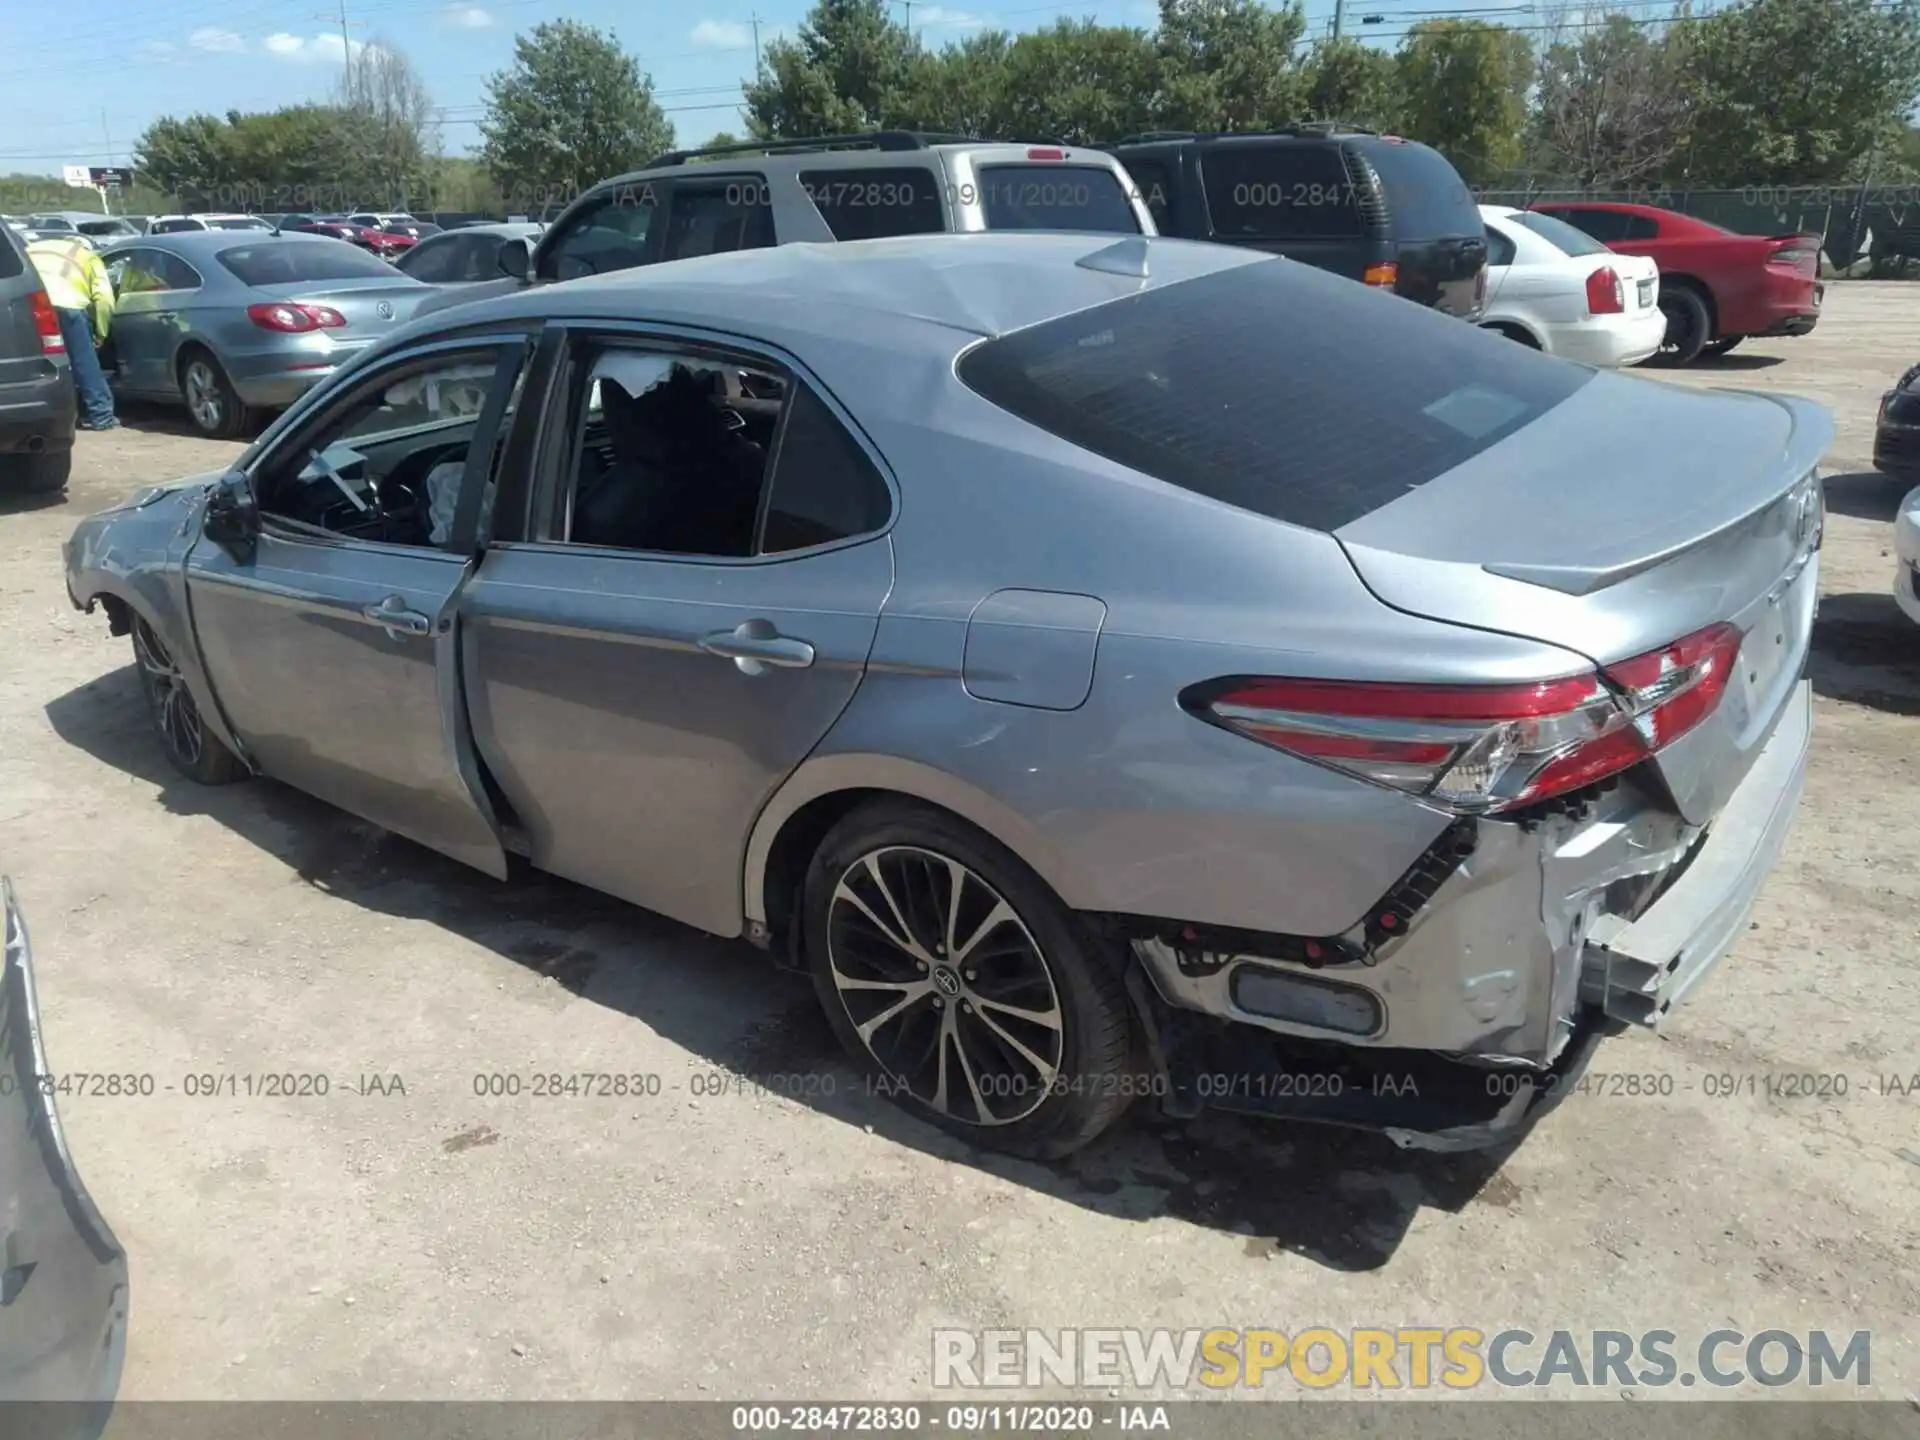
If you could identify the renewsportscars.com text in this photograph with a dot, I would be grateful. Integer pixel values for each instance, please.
(1399, 1358)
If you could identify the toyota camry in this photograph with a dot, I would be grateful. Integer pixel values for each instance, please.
(1108, 669)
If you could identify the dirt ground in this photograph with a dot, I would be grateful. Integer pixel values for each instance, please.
(436, 1243)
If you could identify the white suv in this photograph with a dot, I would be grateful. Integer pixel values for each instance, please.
(837, 187)
(174, 224)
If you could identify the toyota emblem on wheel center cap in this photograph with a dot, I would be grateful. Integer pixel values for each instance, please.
(384, 310)
(944, 977)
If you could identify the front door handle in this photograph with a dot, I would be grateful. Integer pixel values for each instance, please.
(755, 646)
(393, 616)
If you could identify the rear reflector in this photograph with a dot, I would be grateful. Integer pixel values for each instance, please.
(52, 342)
(1386, 274)
(1605, 294)
(1481, 749)
(290, 318)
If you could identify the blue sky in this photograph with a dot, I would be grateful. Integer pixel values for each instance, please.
(84, 99)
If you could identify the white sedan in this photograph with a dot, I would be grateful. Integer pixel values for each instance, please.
(1906, 549)
(1558, 289)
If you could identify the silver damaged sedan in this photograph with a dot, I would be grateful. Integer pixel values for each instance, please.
(1109, 669)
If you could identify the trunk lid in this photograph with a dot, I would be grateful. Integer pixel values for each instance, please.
(360, 302)
(1612, 539)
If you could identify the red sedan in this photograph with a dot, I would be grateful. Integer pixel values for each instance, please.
(1717, 287)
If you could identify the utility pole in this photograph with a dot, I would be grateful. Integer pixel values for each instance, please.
(756, 41)
(106, 135)
(346, 47)
(1339, 17)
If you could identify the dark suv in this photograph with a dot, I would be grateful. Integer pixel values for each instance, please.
(36, 385)
(1378, 208)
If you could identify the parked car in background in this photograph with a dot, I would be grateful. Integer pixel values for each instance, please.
(1386, 211)
(37, 411)
(233, 324)
(464, 256)
(1896, 432)
(836, 187)
(1717, 287)
(1906, 549)
(185, 224)
(398, 223)
(339, 227)
(51, 224)
(1399, 723)
(94, 226)
(1558, 289)
(63, 1322)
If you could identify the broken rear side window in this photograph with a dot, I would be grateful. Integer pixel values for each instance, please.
(1274, 387)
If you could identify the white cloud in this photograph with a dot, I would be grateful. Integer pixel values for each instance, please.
(720, 35)
(940, 15)
(160, 50)
(216, 41)
(466, 17)
(305, 49)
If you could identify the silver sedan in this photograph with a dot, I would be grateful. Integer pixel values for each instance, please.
(237, 324)
(1109, 669)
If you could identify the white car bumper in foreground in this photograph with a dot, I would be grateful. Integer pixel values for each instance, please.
(1610, 341)
(1906, 548)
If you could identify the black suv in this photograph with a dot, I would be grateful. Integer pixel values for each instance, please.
(1384, 210)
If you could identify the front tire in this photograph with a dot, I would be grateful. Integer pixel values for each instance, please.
(962, 985)
(212, 403)
(1689, 327)
(190, 749)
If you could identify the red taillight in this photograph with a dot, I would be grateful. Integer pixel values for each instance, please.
(1605, 294)
(1796, 255)
(295, 319)
(1482, 749)
(1046, 153)
(1385, 274)
(52, 342)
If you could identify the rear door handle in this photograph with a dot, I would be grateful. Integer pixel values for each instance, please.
(393, 616)
(755, 646)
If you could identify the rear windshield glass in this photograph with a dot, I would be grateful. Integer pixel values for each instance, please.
(1558, 233)
(1280, 192)
(11, 263)
(1055, 197)
(1273, 386)
(1426, 198)
(296, 262)
(869, 204)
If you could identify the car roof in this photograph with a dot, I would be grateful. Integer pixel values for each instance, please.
(208, 243)
(791, 162)
(1623, 207)
(981, 284)
(511, 229)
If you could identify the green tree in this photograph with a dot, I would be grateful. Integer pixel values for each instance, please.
(186, 156)
(851, 67)
(575, 108)
(1610, 107)
(1077, 82)
(1228, 65)
(960, 89)
(1346, 81)
(1793, 92)
(1463, 86)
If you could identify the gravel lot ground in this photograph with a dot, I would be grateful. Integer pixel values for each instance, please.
(439, 1244)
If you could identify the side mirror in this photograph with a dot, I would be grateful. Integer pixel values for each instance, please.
(515, 260)
(232, 520)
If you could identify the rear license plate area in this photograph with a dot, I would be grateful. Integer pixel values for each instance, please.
(1646, 293)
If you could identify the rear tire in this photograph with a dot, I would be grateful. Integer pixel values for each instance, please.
(1514, 332)
(1688, 327)
(988, 1010)
(1721, 346)
(212, 404)
(190, 749)
(42, 474)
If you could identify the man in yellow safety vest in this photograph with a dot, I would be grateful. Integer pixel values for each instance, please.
(82, 295)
